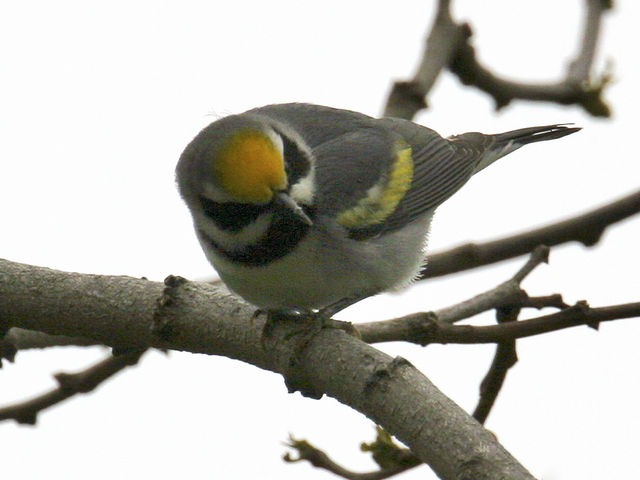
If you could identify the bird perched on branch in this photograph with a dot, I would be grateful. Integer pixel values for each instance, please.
(302, 207)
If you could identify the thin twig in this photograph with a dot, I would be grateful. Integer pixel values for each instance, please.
(509, 293)
(506, 294)
(586, 229)
(504, 358)
(577, 88)
(579, 314)
(579, 69)
(319, 459)
(69, 384)
(408, 97)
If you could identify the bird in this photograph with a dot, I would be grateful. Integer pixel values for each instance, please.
(307, 208)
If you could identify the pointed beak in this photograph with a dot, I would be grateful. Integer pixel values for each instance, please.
(284, 200)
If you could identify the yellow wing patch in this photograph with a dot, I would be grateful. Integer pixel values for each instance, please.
(250, 167)
(384, 197)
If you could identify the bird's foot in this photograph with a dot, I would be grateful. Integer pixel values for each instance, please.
(304, 323)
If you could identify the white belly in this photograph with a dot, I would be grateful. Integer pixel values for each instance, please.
(321, 270)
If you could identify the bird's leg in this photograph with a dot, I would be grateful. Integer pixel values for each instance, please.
(330, 310)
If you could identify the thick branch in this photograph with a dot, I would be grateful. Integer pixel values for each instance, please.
(128, 312)
(586, 229)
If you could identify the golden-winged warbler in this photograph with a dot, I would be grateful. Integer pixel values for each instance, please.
(303, 207)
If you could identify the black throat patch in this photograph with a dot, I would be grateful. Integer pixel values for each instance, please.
(282, 236)
(231, 216)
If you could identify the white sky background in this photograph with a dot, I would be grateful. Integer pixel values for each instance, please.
(97, 102)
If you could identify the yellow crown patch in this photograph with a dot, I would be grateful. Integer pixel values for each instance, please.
(250, 167)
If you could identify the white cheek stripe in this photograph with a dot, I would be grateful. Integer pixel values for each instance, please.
(233, 241)
(275, 139)
(303, 191)
(214, 193)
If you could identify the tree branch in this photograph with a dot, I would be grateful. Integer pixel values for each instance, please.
(448, 45)
(586, 229)
(437, 327)
(69, 384)
(508, 294)
(445, 38)
(504, 358)
(580, 68)
(128, 312)
(391, 458)
(577, 88)
(427, 329)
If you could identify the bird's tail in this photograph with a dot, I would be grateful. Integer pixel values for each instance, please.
(501, 144)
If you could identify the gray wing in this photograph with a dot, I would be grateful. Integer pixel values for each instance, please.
(349, 166)
(441, 168)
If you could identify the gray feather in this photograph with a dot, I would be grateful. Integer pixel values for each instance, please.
(442, 166)
(494, 147)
